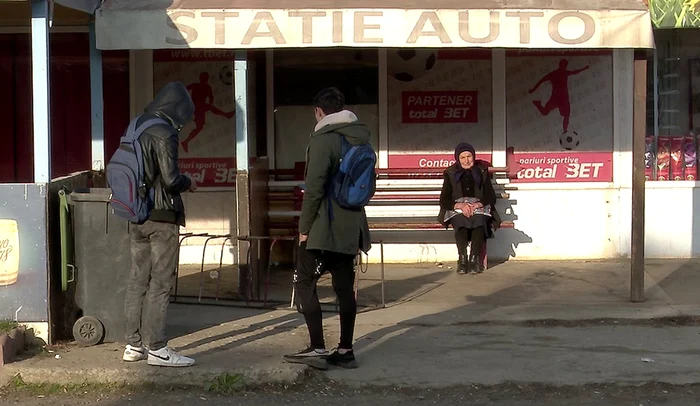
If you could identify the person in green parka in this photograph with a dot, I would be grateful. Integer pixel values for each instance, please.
(329, 243)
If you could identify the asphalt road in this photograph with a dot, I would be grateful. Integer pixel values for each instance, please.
(322, 391)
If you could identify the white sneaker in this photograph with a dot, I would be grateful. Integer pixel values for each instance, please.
(166, 357)
(132, 354)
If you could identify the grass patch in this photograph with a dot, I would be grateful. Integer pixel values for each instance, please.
(46, 389)
(17, 385)
(226, 384)
(7, 325)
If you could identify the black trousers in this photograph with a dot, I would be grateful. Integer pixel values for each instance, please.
(310, 266)
(476, 235)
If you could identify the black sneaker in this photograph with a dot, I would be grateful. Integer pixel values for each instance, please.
(312, 357)
(346, 360)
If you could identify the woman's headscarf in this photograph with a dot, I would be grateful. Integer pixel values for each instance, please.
(464, 147)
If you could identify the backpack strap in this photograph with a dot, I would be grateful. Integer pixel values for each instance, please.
(143, 127)
(129, 133)
(344, 148)
(133, 133)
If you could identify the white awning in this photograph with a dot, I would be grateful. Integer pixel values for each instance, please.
(236, 24)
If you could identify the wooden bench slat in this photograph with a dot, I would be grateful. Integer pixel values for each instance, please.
(388, 193)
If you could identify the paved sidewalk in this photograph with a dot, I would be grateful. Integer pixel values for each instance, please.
(443, 330)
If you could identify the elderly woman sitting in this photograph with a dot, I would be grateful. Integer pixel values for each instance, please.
(467, 204)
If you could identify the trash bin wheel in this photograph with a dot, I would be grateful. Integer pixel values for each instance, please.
(88, 331)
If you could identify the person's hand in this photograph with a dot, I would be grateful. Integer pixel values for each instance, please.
(468, 210)
(193, 183)
(303, 238)
(460, 206)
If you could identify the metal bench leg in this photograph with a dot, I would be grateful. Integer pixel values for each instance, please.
(249, 277)
(177, 266)
(221, 266)
(269, 265)
(381, 250)
(201, 269)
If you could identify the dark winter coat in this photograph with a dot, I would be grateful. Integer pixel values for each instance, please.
(349, 230)
(453, 189)
(160, 145)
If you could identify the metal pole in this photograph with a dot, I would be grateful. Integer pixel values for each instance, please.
(638, 182)
(41, 95)
(241, 97)
(246, 276)
(96, 103)
(381, 252)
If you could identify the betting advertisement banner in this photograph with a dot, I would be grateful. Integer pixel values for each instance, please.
(437, 99)
(560, 115)
(208, 143)
(440, 107)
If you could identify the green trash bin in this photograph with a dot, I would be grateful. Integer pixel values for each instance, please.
(99, 265)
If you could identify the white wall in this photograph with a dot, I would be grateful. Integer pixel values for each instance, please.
(589, 223)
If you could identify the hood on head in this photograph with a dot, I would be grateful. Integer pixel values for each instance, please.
(173, 103)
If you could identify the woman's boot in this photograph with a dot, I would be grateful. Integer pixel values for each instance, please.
(475, 265)
(462, 265)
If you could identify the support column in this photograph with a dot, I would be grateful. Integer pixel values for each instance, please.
(246, 274)
(498, 91)
(270, 106)
(41, 97)
(383, 158)
(638, 182)
(140, 80)
(96, 103)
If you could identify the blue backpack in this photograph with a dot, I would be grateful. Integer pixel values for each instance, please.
(131, 198)
(355, 182)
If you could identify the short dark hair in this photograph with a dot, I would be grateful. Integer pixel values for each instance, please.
(330, 100)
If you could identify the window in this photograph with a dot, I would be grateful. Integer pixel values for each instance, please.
(673, 106)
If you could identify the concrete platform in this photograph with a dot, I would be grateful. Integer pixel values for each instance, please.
(440, 329)
(668, 282)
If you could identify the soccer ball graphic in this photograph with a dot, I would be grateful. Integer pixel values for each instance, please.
(407, 65)
(569, 140)
(226, 75)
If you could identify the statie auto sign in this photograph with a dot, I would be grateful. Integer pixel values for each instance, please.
(151, 28)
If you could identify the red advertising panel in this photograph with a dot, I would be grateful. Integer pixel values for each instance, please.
(439, 107)
(208, 142)
(564, 167)
(428, 160)
(560, 115)
(210, 172)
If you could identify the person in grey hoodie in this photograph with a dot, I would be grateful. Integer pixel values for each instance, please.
(154, 242)
(325, 244)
